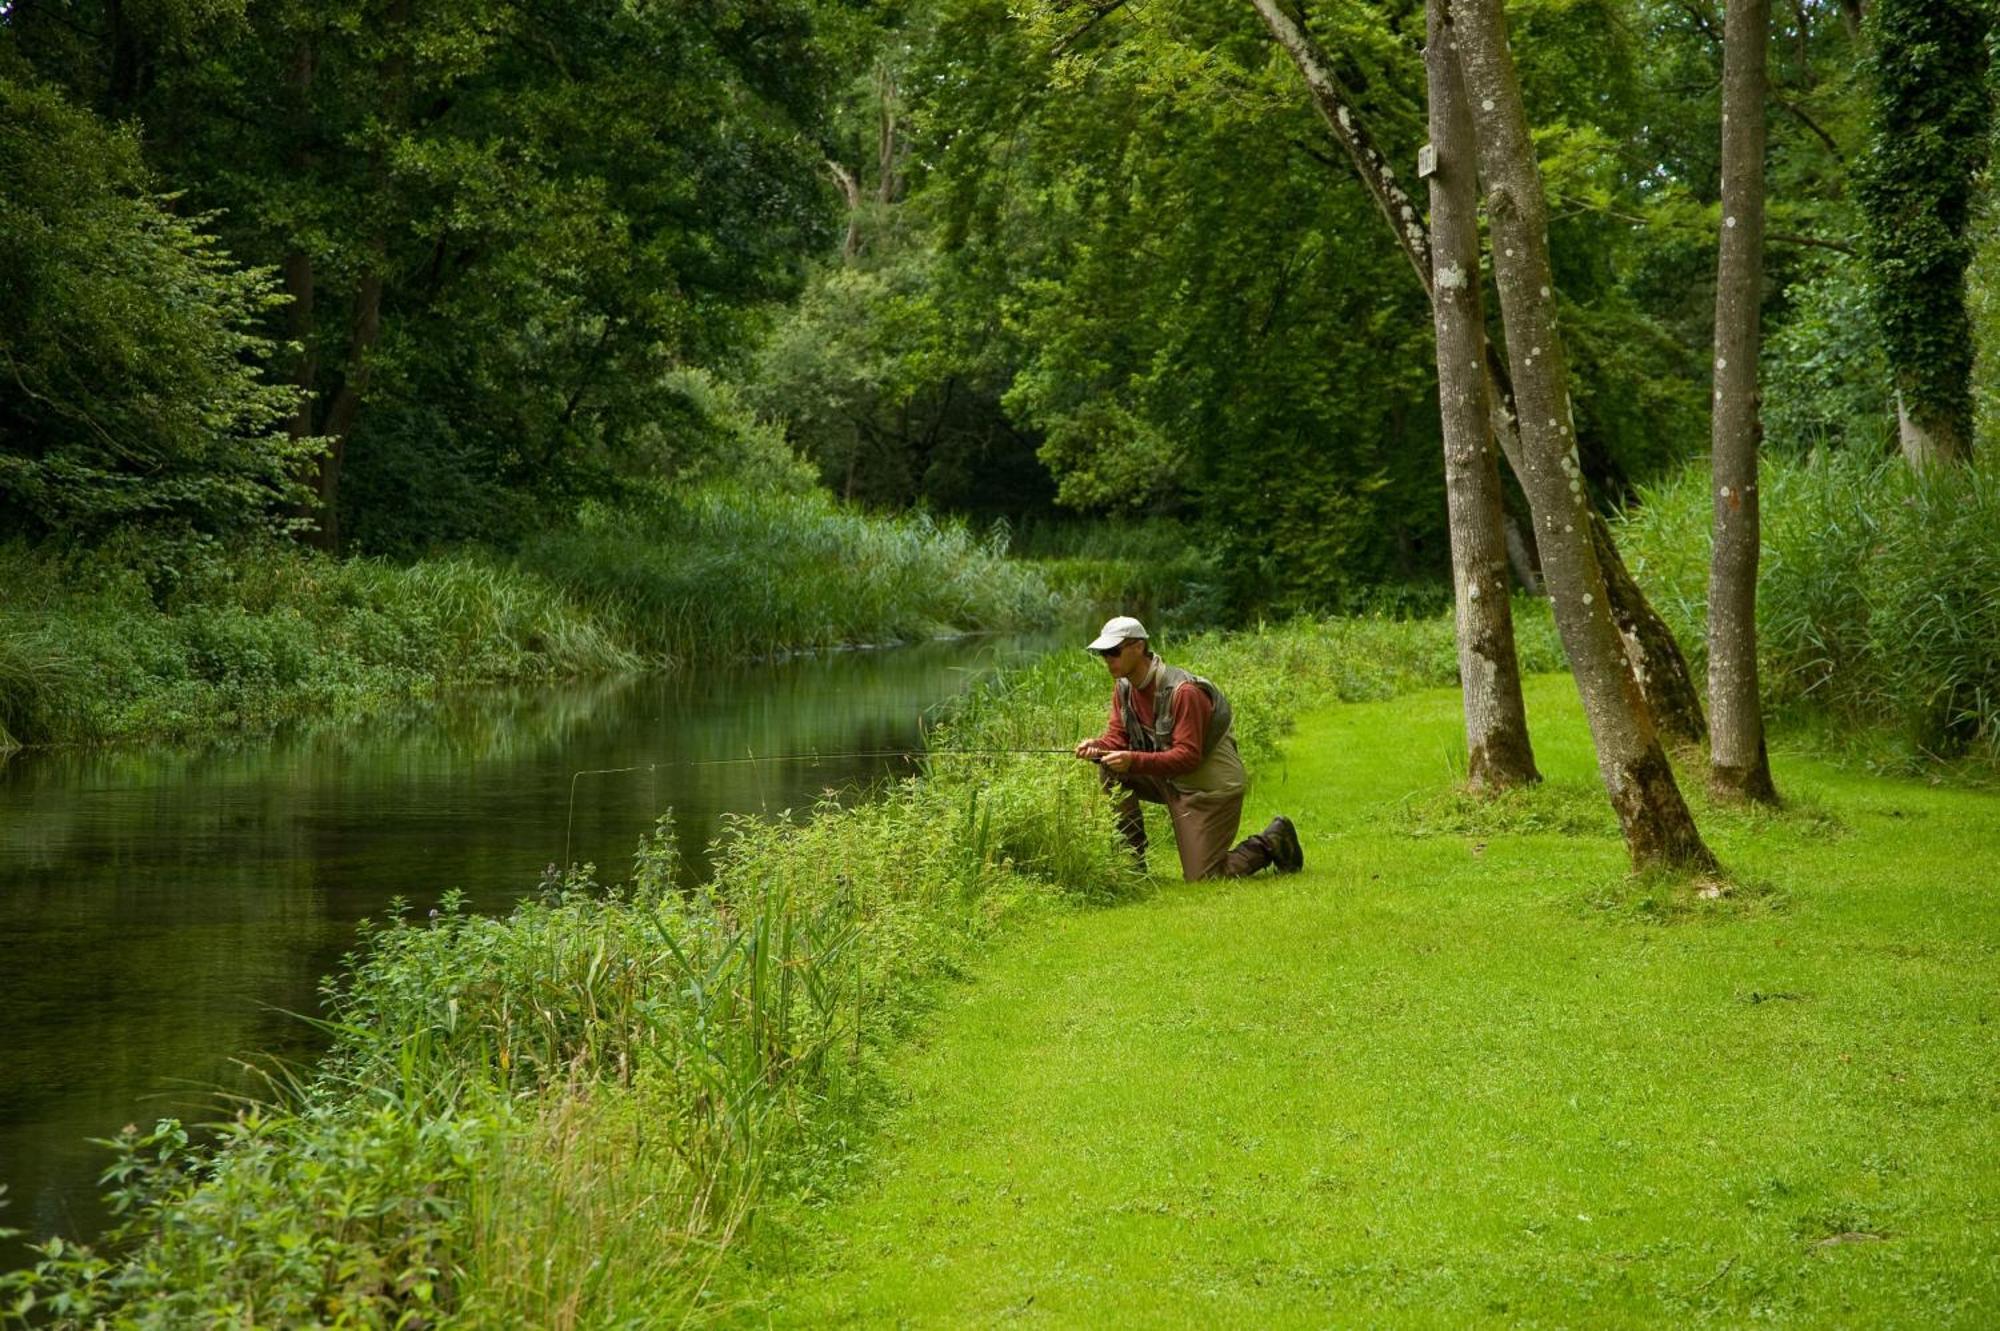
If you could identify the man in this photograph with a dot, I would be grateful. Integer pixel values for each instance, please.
(1170, 742)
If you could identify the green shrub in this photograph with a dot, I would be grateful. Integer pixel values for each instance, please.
(136, 396)
(1878, 598)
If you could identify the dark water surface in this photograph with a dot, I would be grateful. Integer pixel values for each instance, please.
(162, 911)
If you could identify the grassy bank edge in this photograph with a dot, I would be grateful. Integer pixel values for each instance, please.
(570, 1112)
(124, 645)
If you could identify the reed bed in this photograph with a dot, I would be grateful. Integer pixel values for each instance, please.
(735, 572)
(93, 647)
(1878, 596)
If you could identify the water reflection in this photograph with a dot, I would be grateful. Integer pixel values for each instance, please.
(162, 911)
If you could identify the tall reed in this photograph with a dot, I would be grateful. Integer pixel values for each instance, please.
(1879, 595)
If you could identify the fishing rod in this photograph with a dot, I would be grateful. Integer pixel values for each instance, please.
(569, 822)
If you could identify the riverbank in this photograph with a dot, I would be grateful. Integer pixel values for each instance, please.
(1461, 1071)
(609, 1065)
(109, 647)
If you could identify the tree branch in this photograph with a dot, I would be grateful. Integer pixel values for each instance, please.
(1098, 14)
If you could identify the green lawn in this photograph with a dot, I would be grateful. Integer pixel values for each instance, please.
(1459, 1071)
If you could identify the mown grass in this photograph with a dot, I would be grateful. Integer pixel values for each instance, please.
(1878, 608)
(93, 648)
(1461, 1071)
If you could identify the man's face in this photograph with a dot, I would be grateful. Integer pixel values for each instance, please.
(1125, 660)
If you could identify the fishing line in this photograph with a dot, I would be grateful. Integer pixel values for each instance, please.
(569, 822)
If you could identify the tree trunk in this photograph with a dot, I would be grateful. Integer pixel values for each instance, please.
(1739, 766)
(1498, 752)
(1660, 668)
(1337, 109)
(346, 404)
(850, 189)
(1651, 650)
(1659, 830)
(1928, 440)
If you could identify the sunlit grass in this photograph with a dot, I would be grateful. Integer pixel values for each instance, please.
(1477, 1076)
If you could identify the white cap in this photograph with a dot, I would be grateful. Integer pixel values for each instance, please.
(1118, 630)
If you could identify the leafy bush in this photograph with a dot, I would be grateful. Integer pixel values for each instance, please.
(1879, 595)
(1826, 380)
(135, 393)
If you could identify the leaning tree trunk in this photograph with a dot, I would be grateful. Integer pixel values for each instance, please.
(1739, 766)
(1658, 828)
(1498, 751)
(1659, 668)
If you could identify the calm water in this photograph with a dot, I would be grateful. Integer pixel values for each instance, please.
(162, 912)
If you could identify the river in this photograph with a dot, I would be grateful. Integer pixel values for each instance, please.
(164, 911)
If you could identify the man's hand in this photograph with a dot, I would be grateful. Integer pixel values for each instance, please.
(1117, 762)
(1087, 750)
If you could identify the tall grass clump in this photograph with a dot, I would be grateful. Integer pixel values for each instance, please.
(1153, 566)
(1878, 598)
(727, 571)
(96, 646)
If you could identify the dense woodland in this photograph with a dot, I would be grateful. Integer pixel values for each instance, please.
(997, 259)
(366, 348)
(392, 280)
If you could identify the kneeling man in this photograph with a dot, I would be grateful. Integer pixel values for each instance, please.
(1169, 741)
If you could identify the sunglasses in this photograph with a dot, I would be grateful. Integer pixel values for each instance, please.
(1108, 652)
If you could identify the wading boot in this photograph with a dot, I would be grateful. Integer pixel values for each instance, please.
(1287, 856)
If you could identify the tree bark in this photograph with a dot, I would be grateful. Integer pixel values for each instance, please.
(1929, 440)
(1739, 766)
(1658, 829)
(850, 189)
(1337, 109)
(346, 404)
(1498, 752)
(1660, 667)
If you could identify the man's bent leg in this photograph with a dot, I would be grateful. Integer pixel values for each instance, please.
(1126, 792)
(1204, 825)
(1277, 844)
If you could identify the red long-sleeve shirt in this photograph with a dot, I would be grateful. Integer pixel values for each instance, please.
(1191, 709)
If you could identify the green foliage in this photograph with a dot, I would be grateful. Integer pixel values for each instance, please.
(1157, 567)
(100, 644)
(133, 393)
(889, 378)
(1877, 602)
(507, 233)
(1931, 124)
(89, 650)
(1825, 378)
(733, 572)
